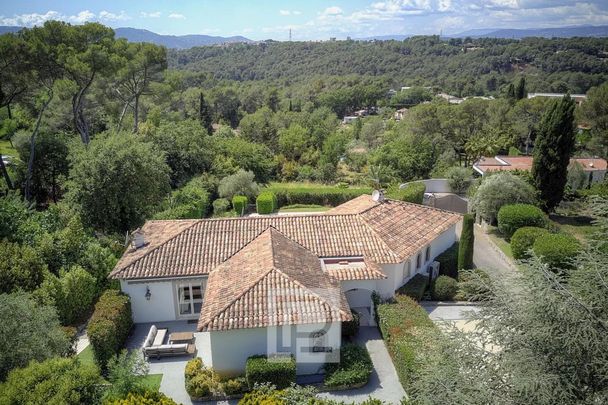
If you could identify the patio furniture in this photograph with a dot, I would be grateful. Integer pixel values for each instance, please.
(181, 337)
(153, 345)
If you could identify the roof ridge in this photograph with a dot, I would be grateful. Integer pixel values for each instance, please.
(373, 231)
(195, 222)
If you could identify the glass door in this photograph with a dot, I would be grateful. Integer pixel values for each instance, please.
(190, 298)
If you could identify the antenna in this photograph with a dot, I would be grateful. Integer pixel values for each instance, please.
(378, 195)
(290, 35)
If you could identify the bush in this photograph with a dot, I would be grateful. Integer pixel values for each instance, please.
(193, 367)
(557, 250)
(409, 335)
(444, 288)
(235, 386)
(220, 206)
(147, 398)
(239, 203)
(466, 245)
(21, 267)
(350, 328)
(413, 193)
(200, 380)
(523, 239)
(500, 189)
(515, 216)
(459, 179)
(262, 397)
(240, 183)
(189, 202)
(415, 287)
(310, 193)
(280, 371)
(448, 261)
(354, 368)
(266, 203)
(473, 285)
(109, 326)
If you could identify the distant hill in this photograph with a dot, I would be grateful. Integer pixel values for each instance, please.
(562, 32)
(170, 41)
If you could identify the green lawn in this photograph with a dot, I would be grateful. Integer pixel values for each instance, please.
(6, 148)
(500, 241)
(150, 381)
(578, 226)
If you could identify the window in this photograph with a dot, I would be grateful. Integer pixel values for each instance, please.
(428, 254)
(407, 271)
(190, 298)
(418, 260)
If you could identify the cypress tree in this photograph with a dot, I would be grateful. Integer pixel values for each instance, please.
(521, 92)
(511, 91)
(204, 114)
(552, 150)
(466, 244)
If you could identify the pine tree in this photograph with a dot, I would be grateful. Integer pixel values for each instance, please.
(511, 91)
(465, 246)
(521, 92)
(204, 114)
(552, 150)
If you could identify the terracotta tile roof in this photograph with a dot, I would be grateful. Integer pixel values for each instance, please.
(502, 163)
(363, 270)
(383, 233)
(354, 206)
(283, 285)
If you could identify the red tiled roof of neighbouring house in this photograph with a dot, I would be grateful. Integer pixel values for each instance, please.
(389, 232)
(507, 163)
(283, 284)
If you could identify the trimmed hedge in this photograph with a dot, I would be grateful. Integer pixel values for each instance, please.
(409, 334)
(310, 193)
(444, 288)
(354, 368)
(557, 250)
(109, 326)
(239, 203)
(448, 261)
(266, 203)
(350, 328)
(466, 243)
(514, 216)
(413, 192)
(523, 239)
(415, 287)
(280, 371)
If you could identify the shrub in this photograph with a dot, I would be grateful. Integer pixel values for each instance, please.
(21, 267)
(444, 288)
(415, 287)
(523, 239)
(413, 192)
(515, 216)
(147, 398)
(200, 380)
(109, 326)
(448, 261)
(310, 193)
(220, 206)
(190, 201)
(239, 203)
(262, 397)
(240, 183)
(280, 371)
(473, 285)
(354, 368)
(466, 244)
(409, 335)
(557, 250)
(235, 386)
(350, 328)
(193, 367)
(459, 179)
(266, 203)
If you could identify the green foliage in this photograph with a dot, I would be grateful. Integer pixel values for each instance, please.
(117, 181)
(266, 203)
(407, 156)
(413, 192)
(241, 183)
(459, 179)
(125, 372)
(260, 127)
(448, 261)
(500, 189)
(598, 189)
(409, 335)
(474, 285)
(354, 368)
(552, 150)
(21, 267)
(280, 371)
(310, 193)
(53, 381)
(415, 287)
(444, 288)
(13, 214)
(557, 250)
(466, 243)
(147, 398)
(109, 326)
(202, 381)
(523, 239)
(515, 216)
(235, 386)
(188, 202)
(350, 328)
(249, 156)
(28, 332)
(220, 206)
(239, 203)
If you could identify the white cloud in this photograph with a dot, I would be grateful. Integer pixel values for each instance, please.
(177, 16)
(284, 12)
(332, 11)
(153, 14)
(108, 16)
(289, 12)
(32, 19)
(82, 17)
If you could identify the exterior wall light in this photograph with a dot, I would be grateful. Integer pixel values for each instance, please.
(148, 293)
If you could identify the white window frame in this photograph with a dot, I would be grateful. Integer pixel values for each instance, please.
(191, 300)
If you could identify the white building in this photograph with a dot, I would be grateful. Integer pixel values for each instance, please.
(275, 284)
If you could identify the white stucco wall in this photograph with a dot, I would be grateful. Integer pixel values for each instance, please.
(228, 350)
(160, 307)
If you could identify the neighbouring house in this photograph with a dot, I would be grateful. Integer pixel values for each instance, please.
(449, 98)
(594, 167)
(279, 283)
(400, 113)
(349, 119)
(578, 98)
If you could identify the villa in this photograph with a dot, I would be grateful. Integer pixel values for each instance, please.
(279, 283)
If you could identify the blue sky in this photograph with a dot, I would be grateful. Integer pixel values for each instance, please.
(312, 19)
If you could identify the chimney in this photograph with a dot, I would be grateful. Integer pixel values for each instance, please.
(138, 239)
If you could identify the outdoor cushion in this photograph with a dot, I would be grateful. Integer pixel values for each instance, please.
(160, 337)
(150, 337)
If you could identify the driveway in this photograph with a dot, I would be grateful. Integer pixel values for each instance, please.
(383, 383)
(444, 314)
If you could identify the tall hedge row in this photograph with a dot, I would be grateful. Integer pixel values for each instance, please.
(279, 371)
(295, 193)
(467, 242)
(266, 203)
(448, 261)
(109, 326)
(239, 203)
